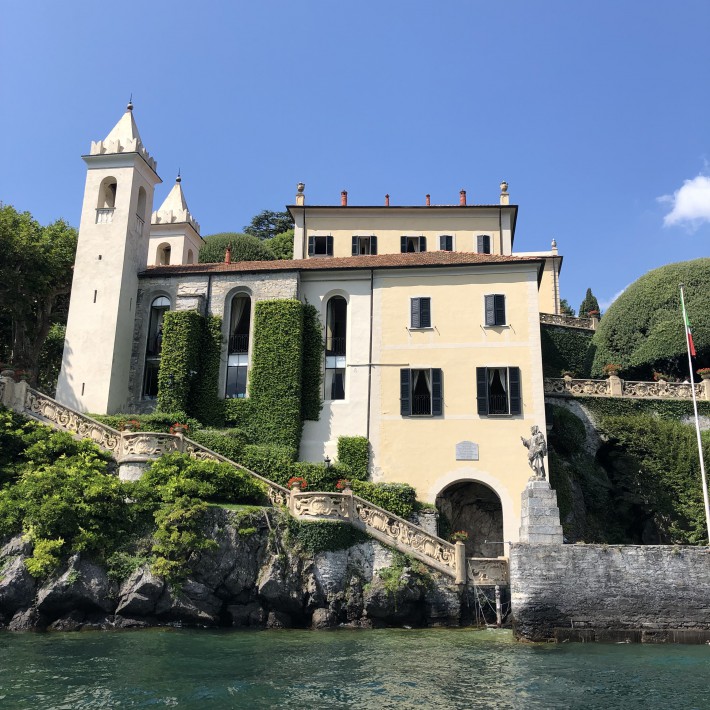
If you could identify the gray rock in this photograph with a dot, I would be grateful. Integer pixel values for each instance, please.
(324, 619)
(84, 586)
(26, 620)
(139, 593)
(247, 615)
(443, 604)
(17, 585)
(18, 545)
(280, 585)
(191, 604)
(279, 620)
(402, 605)
(70, 622)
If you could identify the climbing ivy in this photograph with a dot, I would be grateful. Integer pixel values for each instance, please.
(205, 403)
(565, 349)
(182, 336)
(311, 402)
(665, 408)
(323, 535)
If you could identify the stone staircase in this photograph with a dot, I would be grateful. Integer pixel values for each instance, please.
(134, 450)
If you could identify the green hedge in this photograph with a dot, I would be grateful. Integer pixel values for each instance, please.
(319, 476)
(354, 455)
(180, 356)
(205, 403)
(565, 349)
(313, 346)
(664, 408)
(157, 421)
(275, 377)
(228, 442)
(398, 498)
(272, 462)
(324, 535)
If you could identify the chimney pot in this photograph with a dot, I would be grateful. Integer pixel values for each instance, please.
(387, 200)
(462, 198)
(228, 254)
(300, 197)
(428, 200)
(344, 198)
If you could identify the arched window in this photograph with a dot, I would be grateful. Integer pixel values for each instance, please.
(154, 346)
(106, 200)
(190, 257)
(140, 210)
(162, 257)
(238, 351)
(335, 347)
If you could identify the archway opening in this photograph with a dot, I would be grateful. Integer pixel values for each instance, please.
(475, 508)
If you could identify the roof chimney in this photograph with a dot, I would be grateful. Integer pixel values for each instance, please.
(428, 200)
(344, 198)
(504, 196)
(228, 254)
(300, 197)
(462, 198)
(387, 200)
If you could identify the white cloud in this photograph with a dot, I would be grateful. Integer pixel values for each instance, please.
(604, 304)
(691, 204)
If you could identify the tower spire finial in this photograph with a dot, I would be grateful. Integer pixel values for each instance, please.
(130, 103)
(178, 179)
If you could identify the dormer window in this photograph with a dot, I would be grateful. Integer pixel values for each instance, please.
(411, 245)
(483, 244)
(364, 245)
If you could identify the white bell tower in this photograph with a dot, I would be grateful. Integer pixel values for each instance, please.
(112, 250)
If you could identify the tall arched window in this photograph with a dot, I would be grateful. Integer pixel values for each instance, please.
(238, 352)
(335, 347)
(106, 202)
(162, 257)
(154, 346)
(190, 257)
(140, 210)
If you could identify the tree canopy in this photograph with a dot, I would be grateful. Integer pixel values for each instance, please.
(565, 308)
(267, 224)
(35, 281)
(282, 245)
(643, 329)
(589, 303)
(245, 247)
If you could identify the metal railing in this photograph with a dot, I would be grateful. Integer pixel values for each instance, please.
(238, 343)
(104, 215)
(421, 404)
(334, 346)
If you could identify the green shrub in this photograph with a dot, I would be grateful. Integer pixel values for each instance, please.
(204, 402)
(354, 455)
(238, 414)
(319, 476)
(323, 535)
(281, 246)
(568, 434)
(159, 422)
(398, 498)
(46, 557)
(227, 442)
(312, 375)
(271, 462)
(244, 248)
(565, 349)
(663, 408)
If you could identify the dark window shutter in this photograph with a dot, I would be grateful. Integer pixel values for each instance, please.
(483, 244)
(356, 246)
(405, 402)
(482, 390)
(373, 245)
(422, 243)
(403, 244)
(514, 387)
(416, 313)
(311, 246)
(446, 242)
(437, 393)
(425, 312)
(490, 310)
(329, 246)
(499, 301)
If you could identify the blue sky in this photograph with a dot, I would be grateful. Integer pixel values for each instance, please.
(596, 113)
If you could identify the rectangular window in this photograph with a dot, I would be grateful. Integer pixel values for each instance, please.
(483, 244)
(498, 390)
(236, 382)
(409, 245)
(495, 309)
(364, 245)
(335, 383)
(420, 313)
(320, 246)
(421, 392)
(446, 242)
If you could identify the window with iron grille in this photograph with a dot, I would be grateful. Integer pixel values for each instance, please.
(421, 392)
(498, 390)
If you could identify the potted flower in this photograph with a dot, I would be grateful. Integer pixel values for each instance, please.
(178, 428)
(568, 374)
(459, 536)
(611, 369)
(343, 485)
(593, 314)
(297, 483)
(704, 373)
(130, 425)
(661, 377)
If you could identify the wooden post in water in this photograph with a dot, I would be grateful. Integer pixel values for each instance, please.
(499, 611)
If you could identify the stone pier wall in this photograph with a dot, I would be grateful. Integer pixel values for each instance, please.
(651, 593)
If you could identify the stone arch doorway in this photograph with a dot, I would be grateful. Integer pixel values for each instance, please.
(476, 508)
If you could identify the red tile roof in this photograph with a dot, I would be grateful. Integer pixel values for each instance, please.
(329, 263)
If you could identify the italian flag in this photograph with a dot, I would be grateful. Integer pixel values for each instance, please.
(688, 334)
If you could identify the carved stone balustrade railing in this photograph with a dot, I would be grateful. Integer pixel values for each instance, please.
(616, 387)
(487, 571)
(569, 321)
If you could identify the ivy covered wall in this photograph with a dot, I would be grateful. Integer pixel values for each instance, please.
(565, 349)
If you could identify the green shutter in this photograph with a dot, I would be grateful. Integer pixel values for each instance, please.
(403, 244)
(356, 246)
(329, 246)
(425, 312)
(405, 402)
(437, 392)
(482, 390)
(499, 301)
(373, 245)
(514, 388)
(311, 246)
(422, 243)
(415, 313)
(490, 310)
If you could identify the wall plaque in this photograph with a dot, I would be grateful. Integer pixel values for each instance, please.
(466, 451)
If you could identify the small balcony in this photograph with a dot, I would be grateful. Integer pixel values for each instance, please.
(498, 404)
(104, 215)
(238, 343)
(140, 223)
(421, 405)
(334, 346)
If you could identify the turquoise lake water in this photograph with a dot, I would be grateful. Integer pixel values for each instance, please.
(432, 668)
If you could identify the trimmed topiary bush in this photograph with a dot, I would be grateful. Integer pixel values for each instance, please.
(244, 248)
(354, 455)
(323, 535)
(565, 349)
(398, 498)
(228, 442)
(312, 376)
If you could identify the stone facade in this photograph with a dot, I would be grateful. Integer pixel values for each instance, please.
(610, 592)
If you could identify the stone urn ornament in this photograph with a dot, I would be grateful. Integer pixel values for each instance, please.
(537, 450)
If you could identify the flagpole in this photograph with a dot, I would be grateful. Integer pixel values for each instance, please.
(695, 410)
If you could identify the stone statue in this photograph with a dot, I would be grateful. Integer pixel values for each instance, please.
(537, 450)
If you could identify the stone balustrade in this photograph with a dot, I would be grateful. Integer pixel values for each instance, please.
(616, 387)
(487, 571)
(569, 321)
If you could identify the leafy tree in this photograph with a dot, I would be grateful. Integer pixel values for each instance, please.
(35, 281)
(565, 308)
(268, 224)
(589, 303)
(281, 245)
(643, 329)
(245, 247)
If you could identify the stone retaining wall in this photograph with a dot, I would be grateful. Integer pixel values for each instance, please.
(610, 592)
